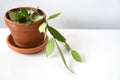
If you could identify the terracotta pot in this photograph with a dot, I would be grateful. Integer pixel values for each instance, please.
(26, 36)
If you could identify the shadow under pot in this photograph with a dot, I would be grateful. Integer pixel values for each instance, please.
(25, 36)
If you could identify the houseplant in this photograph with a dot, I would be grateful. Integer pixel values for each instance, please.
(25, 35)
(25, 20)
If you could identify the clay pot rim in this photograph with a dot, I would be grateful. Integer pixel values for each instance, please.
(10, 21)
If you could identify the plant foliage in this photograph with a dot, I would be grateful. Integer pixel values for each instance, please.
(23, 16)
(57, 36)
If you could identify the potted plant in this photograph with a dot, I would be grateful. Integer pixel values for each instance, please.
(24, 26)
(29, 27)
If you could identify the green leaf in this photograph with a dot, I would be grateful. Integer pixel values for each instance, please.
(54, 16)
(62, 56)
(37, 18)
(24, 12)
(14, 16)
(56, 34)
(50, 47)
(76, 56)
(42, 27)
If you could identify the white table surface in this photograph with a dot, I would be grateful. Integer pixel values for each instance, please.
(99, 49)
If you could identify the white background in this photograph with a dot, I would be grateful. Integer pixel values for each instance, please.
(75, 13)
(99, 50)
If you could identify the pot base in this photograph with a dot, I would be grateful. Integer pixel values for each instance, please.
(32, 50)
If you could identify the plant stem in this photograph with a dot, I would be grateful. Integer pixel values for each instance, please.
(67, 46)
(62, 56)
